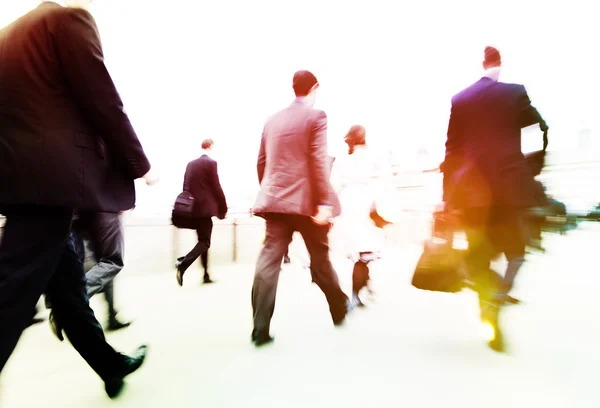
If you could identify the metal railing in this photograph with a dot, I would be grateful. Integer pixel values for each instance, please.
(246, 231)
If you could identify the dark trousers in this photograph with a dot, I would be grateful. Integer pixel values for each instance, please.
(204, 232)
(279, 230)
(38, 255)
(490, 232)
(104, 234)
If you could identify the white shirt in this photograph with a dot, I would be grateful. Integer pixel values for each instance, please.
(492, 73)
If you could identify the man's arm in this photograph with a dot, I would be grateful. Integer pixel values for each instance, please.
(215, 185)
(262, 158)
(80, 53)
(528, 115)
(319, 159)
(454, 150)
(186, 178)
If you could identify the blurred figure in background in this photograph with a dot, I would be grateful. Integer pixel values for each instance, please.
(486, 177)
(357, 178)
(202, 181)
(295, 195)
(103, 234)
(65, 143)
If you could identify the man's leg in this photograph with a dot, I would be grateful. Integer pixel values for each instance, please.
(113, 322)
(268, 266)
(30, 251)
(204, 262)
(476, 222)
(512, 238)
(204, 232)
(105, 231)
(317, 243)
(68, 294)
(106, 237)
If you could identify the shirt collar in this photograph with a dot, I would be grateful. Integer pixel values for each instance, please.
(492, 73)
(300, 99)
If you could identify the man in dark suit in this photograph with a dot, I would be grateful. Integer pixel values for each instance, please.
(202, 181)
(65, 143)
(487, 178)
(295, 195)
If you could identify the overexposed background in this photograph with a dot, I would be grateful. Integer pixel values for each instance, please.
(189, 70)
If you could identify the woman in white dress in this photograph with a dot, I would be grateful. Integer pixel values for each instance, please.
(357, 178)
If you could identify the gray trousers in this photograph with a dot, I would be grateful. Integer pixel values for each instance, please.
(103, 234)
(280, 228)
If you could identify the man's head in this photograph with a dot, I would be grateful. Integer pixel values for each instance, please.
(491, 58)
(207, 144)
(305, 85)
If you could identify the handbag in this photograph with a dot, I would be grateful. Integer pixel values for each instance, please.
(438, 268)
(182, 215)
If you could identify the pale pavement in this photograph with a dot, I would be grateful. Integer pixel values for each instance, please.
(408, 348)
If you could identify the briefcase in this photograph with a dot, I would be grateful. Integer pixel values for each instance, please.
(183, 211)
(439, 268)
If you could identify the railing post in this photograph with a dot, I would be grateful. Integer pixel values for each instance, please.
(235, 240)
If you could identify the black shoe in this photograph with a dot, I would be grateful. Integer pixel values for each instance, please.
(114, 324)
(55, 327)
(114, 385)
(179, 275)
(340, 320)
(208, 280)
(497, 344)
(261, 338)
(490, 312)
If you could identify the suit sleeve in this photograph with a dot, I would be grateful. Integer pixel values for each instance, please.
(319, 159)
(528, 115)
(186, 178)
(215, 185)
(80, 53)
(262, 158)
(454, 150)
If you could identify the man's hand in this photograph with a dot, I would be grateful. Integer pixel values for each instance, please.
(323, 215)
(151, 177)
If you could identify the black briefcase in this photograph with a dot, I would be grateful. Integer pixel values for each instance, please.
(183, 211)
(439, 268)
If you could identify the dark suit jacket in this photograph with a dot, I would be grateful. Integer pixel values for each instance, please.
(202, 180)
(64, 137)
(293, 165)
(484, 165)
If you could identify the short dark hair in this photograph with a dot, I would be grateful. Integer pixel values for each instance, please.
(303, 82)
(207, 143)
(491, 56)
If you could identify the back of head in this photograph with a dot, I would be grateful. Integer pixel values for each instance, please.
(491, 58)
(356, 136)
(304, 83)
(207, 144)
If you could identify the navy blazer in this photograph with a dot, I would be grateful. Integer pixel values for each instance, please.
(202, 180)
(484, 165)
(65, 139)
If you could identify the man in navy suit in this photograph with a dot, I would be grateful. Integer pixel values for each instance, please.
(66, 144)
(487, 178)
(202, 181)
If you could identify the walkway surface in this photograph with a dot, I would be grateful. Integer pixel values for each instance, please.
(408, 348)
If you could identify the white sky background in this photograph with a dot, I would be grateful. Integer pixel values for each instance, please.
(219, 68)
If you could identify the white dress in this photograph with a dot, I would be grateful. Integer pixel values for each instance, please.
(358, 179)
